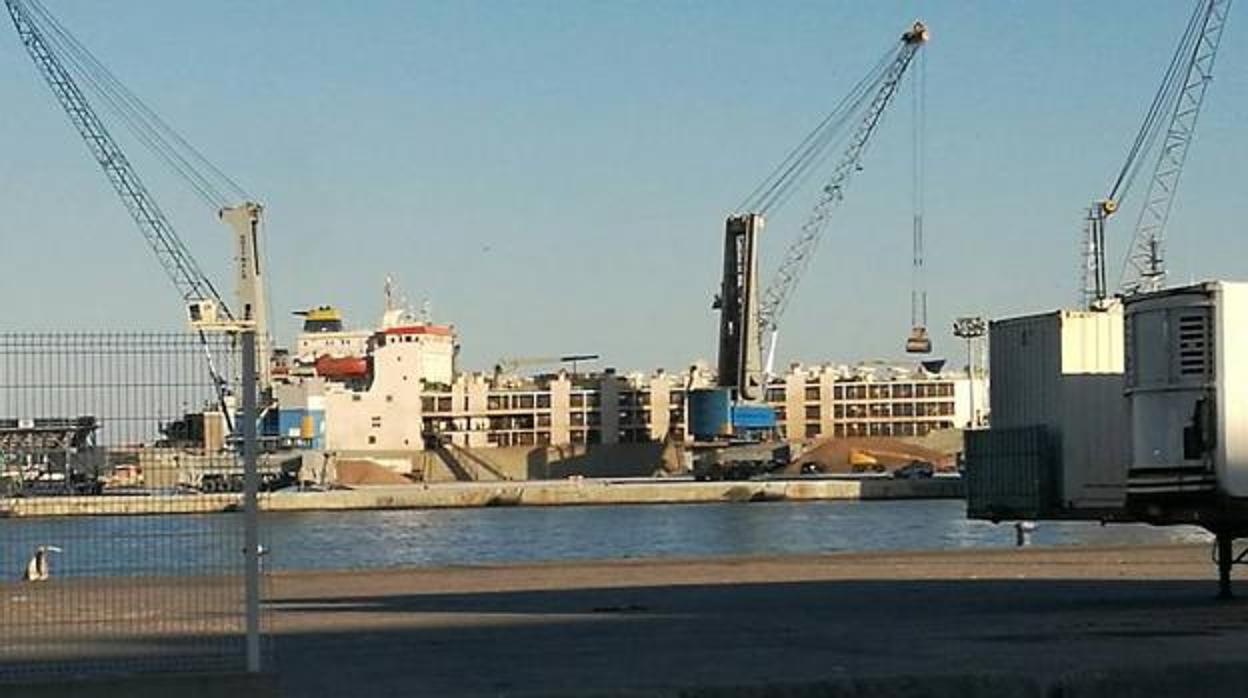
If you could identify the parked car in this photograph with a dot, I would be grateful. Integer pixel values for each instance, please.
(914, 470)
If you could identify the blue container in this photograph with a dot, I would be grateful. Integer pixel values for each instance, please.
(747, 417)
(302, 425)
(710, 412)
(289, 421)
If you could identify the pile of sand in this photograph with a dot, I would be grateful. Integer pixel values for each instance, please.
(832, 455)
(367, 472)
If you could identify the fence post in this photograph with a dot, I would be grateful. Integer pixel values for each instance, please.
(251, 483)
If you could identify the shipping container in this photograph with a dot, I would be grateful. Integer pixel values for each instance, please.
(1061, 372)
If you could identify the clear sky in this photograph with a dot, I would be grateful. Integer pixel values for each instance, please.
(553, 176)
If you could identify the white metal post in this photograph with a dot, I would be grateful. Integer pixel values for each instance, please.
(251, 483)
(970, 373)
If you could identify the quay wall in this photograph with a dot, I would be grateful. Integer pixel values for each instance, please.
(478, 494)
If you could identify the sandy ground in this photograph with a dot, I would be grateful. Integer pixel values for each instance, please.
(581, 627)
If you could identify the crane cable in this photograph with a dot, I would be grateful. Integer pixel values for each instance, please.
(918, 281)
(214, 187)
(818, 145)
(1161, 106)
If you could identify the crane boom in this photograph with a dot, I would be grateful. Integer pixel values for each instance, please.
(776, 296)
(1144, 269)
(187, 277)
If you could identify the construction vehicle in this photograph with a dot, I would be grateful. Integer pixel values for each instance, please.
(66, 65)
(735, 432)
(1171, 118)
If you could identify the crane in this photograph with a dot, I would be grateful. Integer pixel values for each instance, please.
(1171, 118)
(735, 432)
(63, 62)
(748, 320)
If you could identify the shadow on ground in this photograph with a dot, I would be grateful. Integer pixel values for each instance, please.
(787, 634)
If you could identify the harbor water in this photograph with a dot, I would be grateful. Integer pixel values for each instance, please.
(158, 545)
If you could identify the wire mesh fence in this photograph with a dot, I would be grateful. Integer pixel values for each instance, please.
(121, 521)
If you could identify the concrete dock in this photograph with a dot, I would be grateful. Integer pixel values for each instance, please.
(568, 492)
(1122, 621)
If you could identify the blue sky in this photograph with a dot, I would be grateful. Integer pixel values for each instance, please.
(553, 176)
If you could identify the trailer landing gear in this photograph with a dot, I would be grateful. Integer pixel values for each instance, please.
(1226, 559)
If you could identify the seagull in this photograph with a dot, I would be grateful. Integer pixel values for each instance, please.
(37, 568)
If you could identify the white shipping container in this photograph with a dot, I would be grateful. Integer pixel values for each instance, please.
(1187, 381)
(1064, 370)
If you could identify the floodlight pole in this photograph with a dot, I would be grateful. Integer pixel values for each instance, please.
(970, 329)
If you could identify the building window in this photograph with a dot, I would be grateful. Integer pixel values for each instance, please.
(775, 395)
(838, 411)
(838, 392)
(444, 404)
(813, 429)
(543, 420)
(524, 402)
(812, 412)
(543, 401)
(838, 431)
(812, 392)
(427, 403)
(372, 440)
(578, 419)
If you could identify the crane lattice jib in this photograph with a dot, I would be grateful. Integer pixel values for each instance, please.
(778, 293)
(1144, 268)
(181, 268)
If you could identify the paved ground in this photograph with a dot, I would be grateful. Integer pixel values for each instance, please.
(582, 627)
(577, 628)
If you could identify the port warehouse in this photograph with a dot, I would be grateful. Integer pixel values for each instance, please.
(564, 409)
(395, 390)
(387, 405)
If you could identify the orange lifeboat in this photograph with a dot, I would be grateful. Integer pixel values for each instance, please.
(341, 368)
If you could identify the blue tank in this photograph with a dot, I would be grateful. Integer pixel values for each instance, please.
(710, 413)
